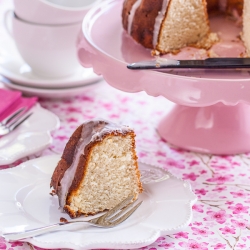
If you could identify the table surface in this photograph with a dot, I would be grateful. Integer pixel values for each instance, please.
(222, 183)
(221, 214)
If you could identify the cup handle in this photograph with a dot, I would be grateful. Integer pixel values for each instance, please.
(6, 23)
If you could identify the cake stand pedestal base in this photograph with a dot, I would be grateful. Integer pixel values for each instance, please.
(216, 129)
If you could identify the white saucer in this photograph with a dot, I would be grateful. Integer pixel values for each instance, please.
(19, 72)
(26, 203)
(30, 137)
(49, 92)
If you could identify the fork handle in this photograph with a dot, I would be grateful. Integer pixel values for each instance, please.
(33, 232)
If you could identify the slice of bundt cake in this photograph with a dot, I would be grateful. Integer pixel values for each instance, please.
(98, 169)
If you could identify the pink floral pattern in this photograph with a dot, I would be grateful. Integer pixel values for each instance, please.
(221, 218)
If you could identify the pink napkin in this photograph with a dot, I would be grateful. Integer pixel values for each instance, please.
(10, 101)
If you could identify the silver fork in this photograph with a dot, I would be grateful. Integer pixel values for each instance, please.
(110, 219)
(11, 116)
(13, 121)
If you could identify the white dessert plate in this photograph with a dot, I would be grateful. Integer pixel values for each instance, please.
(49, 92)
(30, 137)
(25, 203)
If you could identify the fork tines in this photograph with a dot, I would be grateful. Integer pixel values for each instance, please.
(14, 121)
(11, 116)
(121, 216)
(118, 214)
(123, 204)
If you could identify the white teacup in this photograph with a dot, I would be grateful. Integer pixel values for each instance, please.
(40, 12)
(50, 50)
(72, 4)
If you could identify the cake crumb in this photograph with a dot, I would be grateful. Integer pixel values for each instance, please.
(63, 220)
(242, 55)
(212, 54)
(155, 52)
(31, 247)
(53, 192)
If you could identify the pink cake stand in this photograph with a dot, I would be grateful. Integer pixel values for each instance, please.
(211, 114)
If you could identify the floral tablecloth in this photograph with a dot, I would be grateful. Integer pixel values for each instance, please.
(221, 215)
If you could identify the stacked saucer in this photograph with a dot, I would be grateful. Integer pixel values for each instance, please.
(16, 72)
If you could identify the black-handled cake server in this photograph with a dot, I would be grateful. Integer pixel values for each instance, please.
(209, 63)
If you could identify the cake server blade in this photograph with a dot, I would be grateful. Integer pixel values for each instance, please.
(209, 63)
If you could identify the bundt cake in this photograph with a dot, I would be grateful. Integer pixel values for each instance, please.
(169, 25)
(98, 169)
